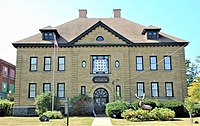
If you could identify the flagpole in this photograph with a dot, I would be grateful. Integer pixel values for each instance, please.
(54, 58)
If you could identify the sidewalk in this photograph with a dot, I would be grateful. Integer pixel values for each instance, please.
(101, 121)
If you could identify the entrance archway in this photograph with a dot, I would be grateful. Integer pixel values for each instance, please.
(101, 97)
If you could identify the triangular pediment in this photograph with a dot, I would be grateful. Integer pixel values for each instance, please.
(110, 37)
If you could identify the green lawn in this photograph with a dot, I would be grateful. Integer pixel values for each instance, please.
(179, 122)
(34, 121)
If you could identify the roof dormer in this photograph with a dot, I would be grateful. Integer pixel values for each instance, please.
(151, 32)
(48, 33)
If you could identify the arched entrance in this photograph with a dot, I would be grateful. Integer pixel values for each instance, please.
(101, 97)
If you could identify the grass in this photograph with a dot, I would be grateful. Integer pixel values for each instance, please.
(177, 122)
(34, 121)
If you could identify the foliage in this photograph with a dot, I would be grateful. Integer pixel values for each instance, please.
(175, 105)
(6, 107)
(10, 97)
(114, 109)
(192, 69)
(194, 92)
(82, 105)
(43, 102)
(54, 114)
(152, 102)
(196, 109)
(163, 114)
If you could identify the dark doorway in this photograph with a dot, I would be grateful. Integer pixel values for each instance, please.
(100, 100)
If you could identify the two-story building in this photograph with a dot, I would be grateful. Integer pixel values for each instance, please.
(105, 58)
(7, 78)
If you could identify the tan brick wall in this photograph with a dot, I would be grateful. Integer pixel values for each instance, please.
(75, 76)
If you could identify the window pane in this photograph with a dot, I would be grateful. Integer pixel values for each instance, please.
(139, 63)
(100, 64)
(140, 87)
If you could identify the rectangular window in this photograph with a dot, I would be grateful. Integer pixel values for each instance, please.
(152, 35)
(83, 90)
(4, 87)
(12, 74)
(5, 71)
(153, 62)
(47, 63)
(139, 63)
(48, 36)
(140, 88)
(61, 63)
(12, 88)
(154, 89)
(118, 91)
(61, 90)
(169, 89)
(167, 63)
(46, 87)
(33, 63)
(100, 64)
(32, 90)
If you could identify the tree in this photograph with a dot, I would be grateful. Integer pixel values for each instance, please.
(192, 69)
(43, 102)
(189, 105)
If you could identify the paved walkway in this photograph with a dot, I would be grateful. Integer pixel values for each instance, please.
(101, 121)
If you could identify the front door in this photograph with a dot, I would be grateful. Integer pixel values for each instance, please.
(100, 100)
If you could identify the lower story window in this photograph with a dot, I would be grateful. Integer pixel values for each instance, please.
(32, 90)
(46, 87)
(118, 91)
(154, 89)
(169, 89)
(140, 88)
(83, 90)
(61, 90)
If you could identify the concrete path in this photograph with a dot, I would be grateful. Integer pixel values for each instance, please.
(101, 121)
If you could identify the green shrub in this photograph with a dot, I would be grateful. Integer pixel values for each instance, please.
(43, 102)
(6, 107)
(54, 114)
(176, 106)
(116, 108)
(196, 109)
(82, 105)
(152, 102)
(163, 114)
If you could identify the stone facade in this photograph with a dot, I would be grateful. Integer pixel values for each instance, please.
(75, 75)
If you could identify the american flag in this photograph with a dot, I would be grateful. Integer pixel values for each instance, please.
(55, 42)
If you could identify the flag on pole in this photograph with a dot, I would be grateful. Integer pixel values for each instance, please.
(55, 42)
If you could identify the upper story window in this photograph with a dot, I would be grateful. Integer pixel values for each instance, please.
(99, 38)
(167, 63)
(33, 64)
(12, 74)
(100, 64)
(139, 63)
(48, 36)
(5, 71)
(47, 63)
(153, 62)
(61, 63)
(152, 35)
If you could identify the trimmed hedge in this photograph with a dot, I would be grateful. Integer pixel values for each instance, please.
(6, 107)
(176, 106)
(162, 114)
(53, 115)
(114, 109)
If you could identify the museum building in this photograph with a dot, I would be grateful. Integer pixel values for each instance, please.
(105, 58)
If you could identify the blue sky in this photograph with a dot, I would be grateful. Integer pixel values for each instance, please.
(22, 18)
